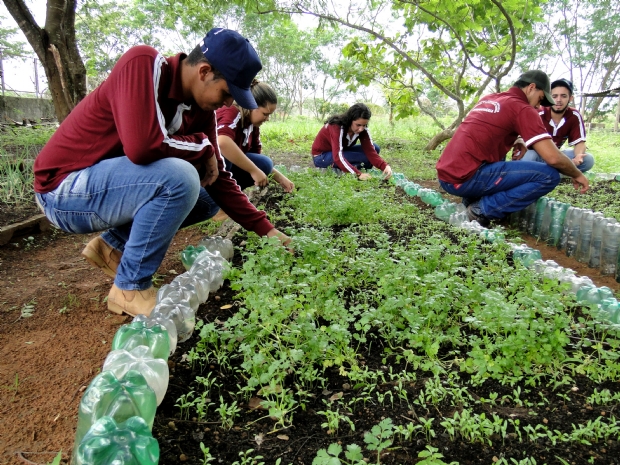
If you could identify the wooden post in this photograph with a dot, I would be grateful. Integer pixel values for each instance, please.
(36, 78)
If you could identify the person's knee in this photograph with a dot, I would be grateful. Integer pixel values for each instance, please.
(587, 163)
(182, 177)
(531, 155)
(265, 165)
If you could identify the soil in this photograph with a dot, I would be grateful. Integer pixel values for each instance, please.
(49, 358)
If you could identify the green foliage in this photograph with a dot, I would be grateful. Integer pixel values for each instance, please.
(8, 45)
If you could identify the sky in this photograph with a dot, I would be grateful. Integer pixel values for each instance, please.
(19, 74)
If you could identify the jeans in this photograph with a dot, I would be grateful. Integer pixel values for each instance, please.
(586, 164)
(140, 207)
(354, 155)
(505, 187)
(243, 178)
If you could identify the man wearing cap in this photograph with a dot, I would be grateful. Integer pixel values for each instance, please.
(138, 159)
(473, 166)
(564, 124)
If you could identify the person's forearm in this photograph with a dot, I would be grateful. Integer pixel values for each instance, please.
(235, 155)
(566, 166)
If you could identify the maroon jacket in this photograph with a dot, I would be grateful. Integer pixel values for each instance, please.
(140, 111)
(231, 123)
(487, 134)
(334, 138)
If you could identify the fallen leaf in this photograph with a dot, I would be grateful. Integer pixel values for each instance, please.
(30, 342)
(336, 396)
(259, 438)
(224, 307)
(255, 403)
(284, 437)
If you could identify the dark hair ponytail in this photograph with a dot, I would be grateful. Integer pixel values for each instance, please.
(357, 111)
(263, 94)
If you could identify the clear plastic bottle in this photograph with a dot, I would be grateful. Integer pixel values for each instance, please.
(558, 215)
(218, 244)
(596, 242)
(138, 334)
(568, 222)
(528, 217)
(543, 233)
(609, 249)
(457, 219)
(582, 254)
(578, 282)
(109, 443)
(572, 234)
(515, 219)
(191, 283)
(154, 320)
(444, 210)
(180, 313)
(154, 370)
(120, 399)
(541, 205)
(431, 197)
(526, 255)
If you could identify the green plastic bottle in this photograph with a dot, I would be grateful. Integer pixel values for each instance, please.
(137, 334)
(189, 254)
(109, 443)
(444, 210)
(118, 399)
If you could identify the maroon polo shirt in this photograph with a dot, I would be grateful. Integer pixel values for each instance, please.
(230, 122)
(571, 127)
(488, 133)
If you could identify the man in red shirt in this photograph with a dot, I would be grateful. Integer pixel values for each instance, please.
(138, 158)
(565, 124)
(473, 166)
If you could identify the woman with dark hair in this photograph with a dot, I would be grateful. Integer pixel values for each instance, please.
(239, 140)
(335, 144)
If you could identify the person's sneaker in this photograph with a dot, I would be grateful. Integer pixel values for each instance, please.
(98, 253)
(132, 302)
(475, 216)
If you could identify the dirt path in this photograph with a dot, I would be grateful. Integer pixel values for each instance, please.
(47, 359)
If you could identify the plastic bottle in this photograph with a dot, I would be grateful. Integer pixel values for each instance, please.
(541, 205)
(529, 215)
(215, 263)
(119, 399)
(190, 282)
(582, 293)
(526, 255)
(609, 249)
(545, 224)
(558, 215)
(189, 254)
(180, 313)
(109, 443)
(582, 254)
(430, 197)
(457, 219)
(568, 222)
(138, 334)
(444, 210)
(154, 370)
(597, 239)
(578, 282)
(493, 235)
(515, 219)
(171, 329)
(398, 178)
(176, 293)
(411, 188)
(572, 234)
(218, 244)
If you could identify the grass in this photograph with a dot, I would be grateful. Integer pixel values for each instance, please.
(402, 146)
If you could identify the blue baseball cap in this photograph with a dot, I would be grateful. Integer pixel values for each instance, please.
(232, 55)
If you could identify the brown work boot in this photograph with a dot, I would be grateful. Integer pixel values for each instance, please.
(98, 253)
(132, 302)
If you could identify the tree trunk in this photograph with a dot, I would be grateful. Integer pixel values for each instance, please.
(56, 47)
(439, 138)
